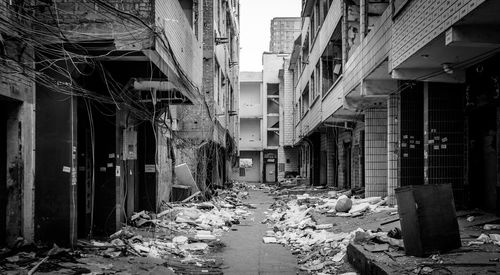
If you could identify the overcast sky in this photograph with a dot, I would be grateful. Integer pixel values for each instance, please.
(255, 22)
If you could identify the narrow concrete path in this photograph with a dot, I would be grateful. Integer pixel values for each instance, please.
(246, 253)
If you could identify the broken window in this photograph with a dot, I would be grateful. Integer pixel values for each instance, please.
(331, 61)
(305, 51)
(374, 9)
(273, 138)
(273, 105)
(352, 20)
(273, 89)
(398, 5)
(273, 122)
(312, 87)
(305, 100)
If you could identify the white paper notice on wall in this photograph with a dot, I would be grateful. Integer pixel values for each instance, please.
(111, 156)
(109, 165)
(117, 171)
(443, 146)
(66, 169)
(102, 169)
(149, 168)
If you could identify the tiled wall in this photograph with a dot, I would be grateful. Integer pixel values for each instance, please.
(423, 20)
(376, 152)
(393, 104)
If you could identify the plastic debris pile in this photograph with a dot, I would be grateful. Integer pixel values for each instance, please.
(319, 247)
(180, 238)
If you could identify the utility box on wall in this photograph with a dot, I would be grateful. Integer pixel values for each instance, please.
(428, 219)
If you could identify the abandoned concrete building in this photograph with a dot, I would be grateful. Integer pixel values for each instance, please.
(92, 99)
(386, 94)
(128, 129)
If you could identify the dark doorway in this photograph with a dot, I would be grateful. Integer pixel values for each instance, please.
(146, 153)
(11, 171)
(3, 171)
(270, 167)
(315, 153)
(323, 168)
(347, 164)
(483, 157)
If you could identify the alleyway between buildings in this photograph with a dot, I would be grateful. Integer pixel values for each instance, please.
(265, 229)
(247, 254)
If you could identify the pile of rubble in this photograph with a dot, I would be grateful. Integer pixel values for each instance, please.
(320, 247)
(181, 237)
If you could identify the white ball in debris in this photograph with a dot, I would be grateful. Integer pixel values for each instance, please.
(344, 204)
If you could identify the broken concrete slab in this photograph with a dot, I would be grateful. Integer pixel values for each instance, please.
(185, 177)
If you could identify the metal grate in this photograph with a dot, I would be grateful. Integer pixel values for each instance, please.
(446, 137)
(411, 155)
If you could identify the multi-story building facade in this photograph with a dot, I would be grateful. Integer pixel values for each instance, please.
(265, 155)
(251, 137)
(109, 96)
(210, 126)
(394, 93)
(284, 31)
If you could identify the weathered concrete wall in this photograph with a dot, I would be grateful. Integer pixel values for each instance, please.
(17, 87)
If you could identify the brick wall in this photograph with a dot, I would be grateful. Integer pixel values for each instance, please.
(376, 152)
(288, 158)
(92, 18)
(287, 103)
(186, 47)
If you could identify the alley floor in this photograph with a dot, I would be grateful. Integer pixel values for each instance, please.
(246, 253)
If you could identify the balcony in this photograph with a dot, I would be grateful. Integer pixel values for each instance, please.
(428, 34)
(249, 110)
(367, 60)
(250, 134)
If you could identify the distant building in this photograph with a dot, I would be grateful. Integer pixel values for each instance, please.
(265, 144)
(284, 31)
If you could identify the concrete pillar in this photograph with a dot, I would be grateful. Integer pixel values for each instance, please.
(376, 152)
(393, 134)
(261, 167)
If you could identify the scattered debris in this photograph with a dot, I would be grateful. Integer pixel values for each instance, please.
(319, 248)
(491, 227)
(179, 239)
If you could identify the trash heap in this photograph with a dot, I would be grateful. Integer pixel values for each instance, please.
(180, 238)
(319, 248)
(186, 232)
(485, 239)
